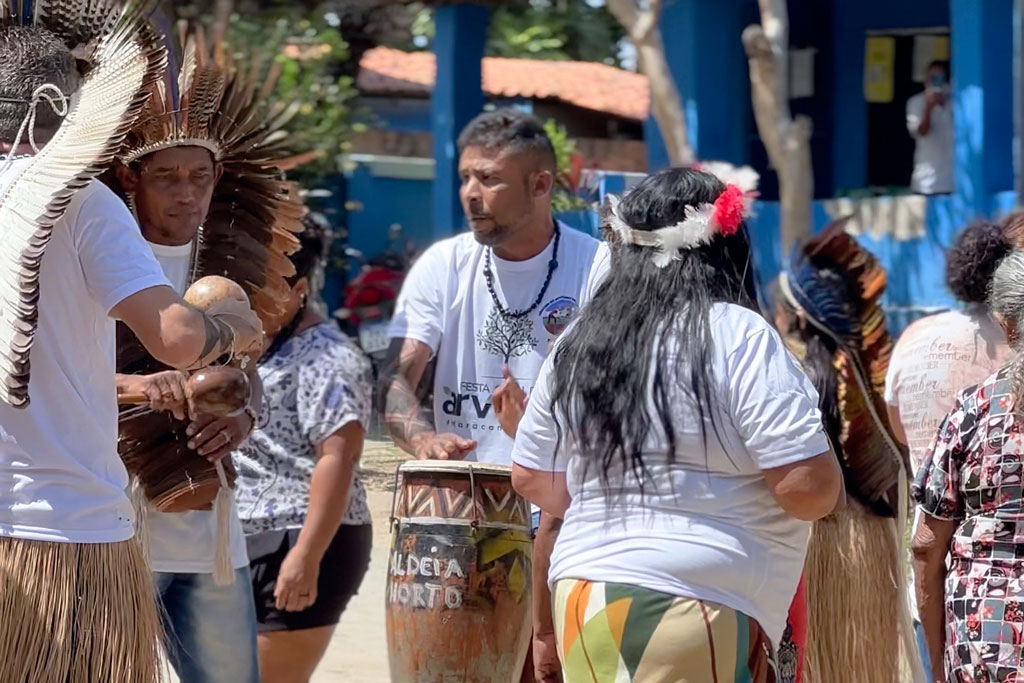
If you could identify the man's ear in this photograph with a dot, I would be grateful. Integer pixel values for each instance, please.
(218, 171)
(128, 178)
(543, 183)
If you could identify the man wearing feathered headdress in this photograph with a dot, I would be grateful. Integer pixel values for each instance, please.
(858, 625)
(201, 173)
(76, 597)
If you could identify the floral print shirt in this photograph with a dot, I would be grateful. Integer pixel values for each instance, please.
(973, 476)
(315, 384)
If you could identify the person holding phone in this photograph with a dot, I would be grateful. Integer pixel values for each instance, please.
(930, 122)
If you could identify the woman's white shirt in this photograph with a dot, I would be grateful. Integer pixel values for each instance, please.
(706, 525)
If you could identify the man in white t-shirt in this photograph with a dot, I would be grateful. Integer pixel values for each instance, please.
(930, 122)
(487, 305)
(940, 355)
(76, 598)
(212, 627)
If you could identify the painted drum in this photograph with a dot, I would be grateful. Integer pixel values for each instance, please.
(458, 592)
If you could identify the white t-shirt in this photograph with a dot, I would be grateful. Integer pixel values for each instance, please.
(186, 542)
(933, 153)
(598, 272)
(934, 359)
(710, 528)
(63, 479)
(445, 304)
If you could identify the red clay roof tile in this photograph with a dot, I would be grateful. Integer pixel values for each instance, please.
(589, 85)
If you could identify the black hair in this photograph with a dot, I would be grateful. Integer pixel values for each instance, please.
(940, 64)
(973, 259)
(31, 56)
(603, 366)
(314, 241)
(509, 130)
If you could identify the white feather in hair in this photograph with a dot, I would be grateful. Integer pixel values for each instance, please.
(127, 60)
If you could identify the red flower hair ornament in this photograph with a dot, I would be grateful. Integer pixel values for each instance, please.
(701, 224)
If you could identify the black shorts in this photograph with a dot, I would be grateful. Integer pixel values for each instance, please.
(341, 572)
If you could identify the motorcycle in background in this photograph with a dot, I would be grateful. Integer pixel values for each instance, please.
(370, 297)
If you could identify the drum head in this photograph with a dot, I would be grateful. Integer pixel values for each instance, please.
(454, 467)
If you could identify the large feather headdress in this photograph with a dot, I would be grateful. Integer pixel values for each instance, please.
(210, 100)
(124, 58)
(838, 285)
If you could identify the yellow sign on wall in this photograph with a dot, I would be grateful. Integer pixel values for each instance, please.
(879, 69)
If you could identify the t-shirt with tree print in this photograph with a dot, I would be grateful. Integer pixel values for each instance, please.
(445, 304)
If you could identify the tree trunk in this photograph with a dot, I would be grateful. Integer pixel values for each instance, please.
(666, 101)
(787, 141)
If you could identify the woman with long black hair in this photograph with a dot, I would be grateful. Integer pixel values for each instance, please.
(299, 495)
(683, 447)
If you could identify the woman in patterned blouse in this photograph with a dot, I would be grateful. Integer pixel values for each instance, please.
(299, 495)
(971, 491)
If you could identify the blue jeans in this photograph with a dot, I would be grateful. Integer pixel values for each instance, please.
(922, 650)
(211, 629)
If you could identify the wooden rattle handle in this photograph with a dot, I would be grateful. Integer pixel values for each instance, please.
(132, 399)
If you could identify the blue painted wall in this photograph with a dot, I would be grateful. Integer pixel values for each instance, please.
(402, 115)
(460, 35)
(376, 203)
(915, 267)
(982, 54)
(703, 48)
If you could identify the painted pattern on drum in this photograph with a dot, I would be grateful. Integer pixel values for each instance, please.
(437, 495)
(458, 594)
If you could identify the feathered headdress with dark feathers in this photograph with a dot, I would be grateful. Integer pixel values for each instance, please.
(210, 100)
(124, 59)
(837, 285)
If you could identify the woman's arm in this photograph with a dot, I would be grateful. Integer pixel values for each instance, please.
(547, 668)
(546, 490)
(930, 545)
(336, 459)
(808, 489)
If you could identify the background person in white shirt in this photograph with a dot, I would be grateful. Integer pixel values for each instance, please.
(938, 356)
(683, 446)
(76, 598)
(930, 122)
(487, 305)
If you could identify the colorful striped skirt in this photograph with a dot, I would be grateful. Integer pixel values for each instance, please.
(616, 633)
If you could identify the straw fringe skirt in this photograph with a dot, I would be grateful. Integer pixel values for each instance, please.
(77, 613)
(853, 571)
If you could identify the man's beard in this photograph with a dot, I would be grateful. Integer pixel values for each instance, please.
(492, 237)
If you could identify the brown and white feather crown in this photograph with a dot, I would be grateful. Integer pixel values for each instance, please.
(211, 100)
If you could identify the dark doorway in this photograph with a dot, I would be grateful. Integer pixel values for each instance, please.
(890, 146)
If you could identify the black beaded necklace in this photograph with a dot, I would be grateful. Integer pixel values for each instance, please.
(489, 276)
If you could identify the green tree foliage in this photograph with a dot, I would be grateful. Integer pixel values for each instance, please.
(555, 29)
(581, 30)
(563, 197)
(303, 41)
(310, 54)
